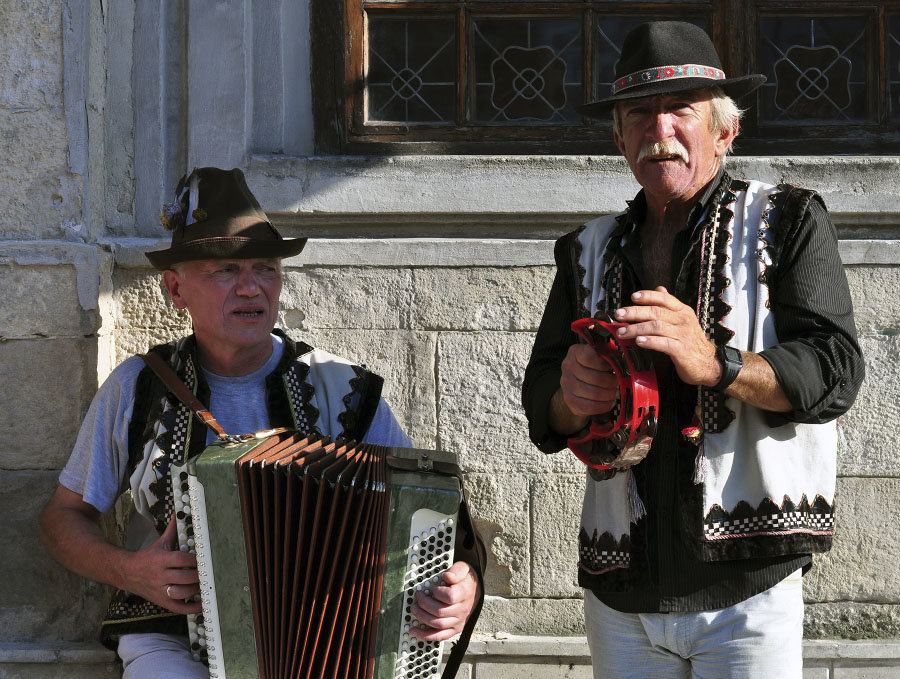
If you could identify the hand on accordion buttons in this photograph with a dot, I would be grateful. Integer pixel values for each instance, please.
(162, 574)
(448, 607)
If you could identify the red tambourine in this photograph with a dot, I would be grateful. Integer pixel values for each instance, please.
(631, 425)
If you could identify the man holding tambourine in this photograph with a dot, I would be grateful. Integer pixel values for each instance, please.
(695, 352)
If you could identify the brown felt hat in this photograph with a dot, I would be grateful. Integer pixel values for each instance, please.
(215, 216)
(663, 57)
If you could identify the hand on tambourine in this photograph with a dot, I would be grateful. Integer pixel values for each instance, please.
(162, 574)
(661, 322)
(587, 384)
(448, 607)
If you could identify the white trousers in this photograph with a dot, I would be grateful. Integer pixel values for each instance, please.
(158, 656)
(760, 638)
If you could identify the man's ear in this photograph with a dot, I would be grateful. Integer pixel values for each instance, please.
(723, 141)
(172, 281)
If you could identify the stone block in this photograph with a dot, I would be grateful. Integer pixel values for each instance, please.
(544, 617)
(41, 199)
(406, 362)
(143, 304)
(48, 387)
(871, 424)
(501, 509)
(851, 620)
(865, 547)
(868, 670)
(42, 300)
(344, 297)
(556, 516)
(38, 598)
(815, 672)
(870, 286)
(129, 342)
(486, 298)
(479, 404)
(31, 61)
(527, 670)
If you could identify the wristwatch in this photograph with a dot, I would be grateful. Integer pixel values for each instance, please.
(731, 361)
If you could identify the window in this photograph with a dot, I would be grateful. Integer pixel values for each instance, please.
(503, 76)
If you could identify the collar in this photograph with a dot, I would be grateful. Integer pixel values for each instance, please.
(630, 241)
(637, 207)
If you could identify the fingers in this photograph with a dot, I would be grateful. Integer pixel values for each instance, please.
(656, 313)
(169, 537)
(588, 384)
(447, 608)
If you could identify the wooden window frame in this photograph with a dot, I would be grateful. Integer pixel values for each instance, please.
(337, 44)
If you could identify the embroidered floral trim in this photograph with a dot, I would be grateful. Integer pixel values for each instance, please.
(614, 266)
(667, 73)
(350, 417)
(601, 554)
(714, 413)
(766, 240)
(770, 519)
(579, 271)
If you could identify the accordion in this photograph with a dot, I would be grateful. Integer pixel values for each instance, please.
(310, 553)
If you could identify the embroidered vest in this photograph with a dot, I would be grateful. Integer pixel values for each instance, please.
(767, 490)
(310, 390)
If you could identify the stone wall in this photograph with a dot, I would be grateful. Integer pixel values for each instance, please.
(431, 270)
(452, 340)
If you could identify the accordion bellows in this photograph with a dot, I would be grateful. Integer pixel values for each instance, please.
(310, 553)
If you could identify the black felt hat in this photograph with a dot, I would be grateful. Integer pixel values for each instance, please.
(663, 57)
(215, 216)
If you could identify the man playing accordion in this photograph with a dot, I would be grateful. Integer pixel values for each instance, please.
(224, 267)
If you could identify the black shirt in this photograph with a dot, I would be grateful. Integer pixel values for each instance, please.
(817, 362)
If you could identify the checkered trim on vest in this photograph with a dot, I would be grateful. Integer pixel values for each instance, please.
(599, 554)
(770, 519)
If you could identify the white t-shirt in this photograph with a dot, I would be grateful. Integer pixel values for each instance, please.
(98, 464)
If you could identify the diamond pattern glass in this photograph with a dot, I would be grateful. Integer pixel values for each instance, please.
(412, 71)
(816, 69)
(527, 71)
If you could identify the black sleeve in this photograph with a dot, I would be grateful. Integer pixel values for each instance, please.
(554, 337)
(817, 360)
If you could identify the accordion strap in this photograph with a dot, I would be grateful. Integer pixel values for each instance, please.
(174, 383)
(424, 464)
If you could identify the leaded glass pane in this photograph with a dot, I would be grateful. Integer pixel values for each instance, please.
(527, 71)
(893, 55)
(609, 35)
(411, 71)
(816, 69)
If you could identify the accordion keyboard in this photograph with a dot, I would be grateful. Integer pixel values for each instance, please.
(430, 554)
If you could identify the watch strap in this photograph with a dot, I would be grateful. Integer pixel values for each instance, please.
(731, 361)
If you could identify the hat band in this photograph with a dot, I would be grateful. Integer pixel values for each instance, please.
(667, 73)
